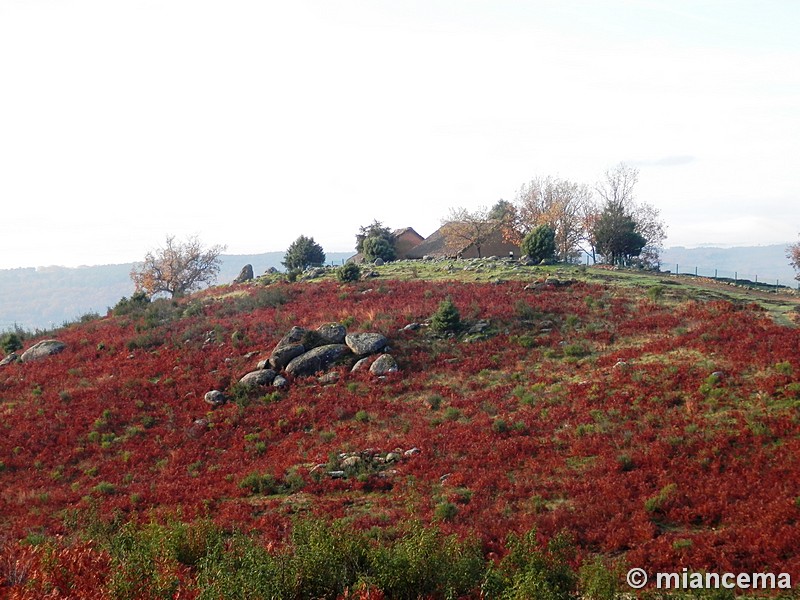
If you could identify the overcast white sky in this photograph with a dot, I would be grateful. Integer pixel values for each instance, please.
(249, 123)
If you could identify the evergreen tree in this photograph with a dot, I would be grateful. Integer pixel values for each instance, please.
(540, 244)
(303, 252)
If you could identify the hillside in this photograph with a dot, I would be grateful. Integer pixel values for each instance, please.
(762, 263)
(45, 297)
(580, 422)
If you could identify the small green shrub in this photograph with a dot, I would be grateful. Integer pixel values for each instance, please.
(10, 342)
(446, 318)
(348, 272)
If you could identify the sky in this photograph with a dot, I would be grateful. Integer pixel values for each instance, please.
(250, 122)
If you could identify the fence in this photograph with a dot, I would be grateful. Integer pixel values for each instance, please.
(736, 277)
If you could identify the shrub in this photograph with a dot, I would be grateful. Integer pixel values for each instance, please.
(540, 244)
(446, 318)
(10, 342)
(348, 272)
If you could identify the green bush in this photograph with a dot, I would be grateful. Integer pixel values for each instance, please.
(10, 342)
(446, 318)
(540, 244)
(348, 272)
(303, 252)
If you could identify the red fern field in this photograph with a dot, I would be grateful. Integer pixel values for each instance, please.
(660, 434)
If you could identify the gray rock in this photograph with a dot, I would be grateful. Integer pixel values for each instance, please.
(318, 359)
(246, 274)
(384, 364)
(392, 457)
(215, 398)
(360, 364)
(263, 364)
(332, 333)
(11, 358)
(412, 327)
(42, 349)
(329, 378)
(279, 382)
(271, 271)
(262, 377)
(378, 262)
(288, 348)
(351, 461)
(365, 343)
(411, 452)
(479, 327)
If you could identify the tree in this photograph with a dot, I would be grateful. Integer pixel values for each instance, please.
(177, 268)
(616, 236)
(303, 252)
(540, 244)
(376, 241)
(462, 228)
(793, 254)
(616, 191)
(558, 203)
(446, 318)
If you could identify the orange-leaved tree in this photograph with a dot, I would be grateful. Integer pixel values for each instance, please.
(177, 268)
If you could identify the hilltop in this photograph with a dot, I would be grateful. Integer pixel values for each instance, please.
(579, 422)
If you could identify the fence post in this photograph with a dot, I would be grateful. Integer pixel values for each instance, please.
(715, 273)
(735, 277)
(695, 271)
(677, 272)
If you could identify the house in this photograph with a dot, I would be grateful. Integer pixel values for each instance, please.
(440, 245)
(405, 240)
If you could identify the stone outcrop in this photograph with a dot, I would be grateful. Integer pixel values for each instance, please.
(42, 349)
(246, 274)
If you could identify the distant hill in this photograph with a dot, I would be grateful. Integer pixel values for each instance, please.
(44, 297)
(763, 263)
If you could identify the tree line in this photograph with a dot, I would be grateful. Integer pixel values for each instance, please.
(550, 219)
(554, 218)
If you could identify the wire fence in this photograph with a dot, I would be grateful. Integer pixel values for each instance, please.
(735, 277)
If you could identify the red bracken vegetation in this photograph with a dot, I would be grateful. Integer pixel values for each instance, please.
(663, 434)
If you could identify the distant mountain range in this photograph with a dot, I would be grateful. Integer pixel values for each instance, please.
(46, 297)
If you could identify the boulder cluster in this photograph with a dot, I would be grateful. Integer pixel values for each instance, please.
(305, 352)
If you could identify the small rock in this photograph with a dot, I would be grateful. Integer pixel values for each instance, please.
(332, 333)
(392, 457)
(262, 377)
(384, 364)
(378, 262)
(351, 461)
(329, 378)
(215, 398)
(11, 358)
(412, 327)
(336, 474)
(263, 364)
(363, 344)
(412, 452)
(361, 364)
(279, 382)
